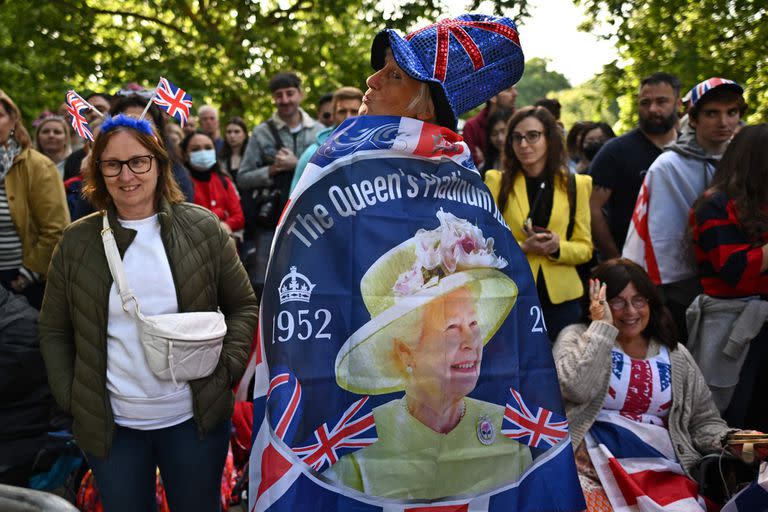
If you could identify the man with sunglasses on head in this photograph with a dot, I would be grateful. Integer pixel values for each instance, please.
(345, 103)
(325, 110)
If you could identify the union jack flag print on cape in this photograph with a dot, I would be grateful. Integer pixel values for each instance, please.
(638, 468)
(75, 106)
(638, 245)
(354, 330)
(175, 101)
(284, 404)
(355, 429)
(540, 429)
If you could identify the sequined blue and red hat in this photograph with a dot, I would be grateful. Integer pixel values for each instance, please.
(702, 88)
(465, 60)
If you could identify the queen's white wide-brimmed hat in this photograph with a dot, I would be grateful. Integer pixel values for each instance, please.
(403, 281)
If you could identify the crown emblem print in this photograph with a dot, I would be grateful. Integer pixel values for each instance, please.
(295, 287)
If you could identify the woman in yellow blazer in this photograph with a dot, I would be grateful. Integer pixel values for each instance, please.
(532, 194)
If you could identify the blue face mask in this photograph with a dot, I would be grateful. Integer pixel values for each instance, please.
(203, 159)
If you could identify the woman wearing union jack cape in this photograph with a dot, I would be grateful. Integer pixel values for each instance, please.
(417, 382)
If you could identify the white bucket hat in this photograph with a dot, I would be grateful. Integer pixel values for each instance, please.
(431, 264)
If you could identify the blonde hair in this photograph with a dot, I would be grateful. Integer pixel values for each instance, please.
(64, 126)
(422, 103)
(346, 93)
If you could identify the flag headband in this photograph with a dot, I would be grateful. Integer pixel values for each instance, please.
(140, 125)
(173, 100)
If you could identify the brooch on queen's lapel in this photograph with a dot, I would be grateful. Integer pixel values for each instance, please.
(486, 433)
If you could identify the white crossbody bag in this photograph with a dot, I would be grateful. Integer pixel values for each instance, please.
(178, 346)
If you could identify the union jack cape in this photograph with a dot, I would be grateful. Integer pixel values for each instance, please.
(638, 468)
(658, 236)
(638, 246)
(373, 184)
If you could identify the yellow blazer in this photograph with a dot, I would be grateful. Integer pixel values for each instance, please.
(560, 276)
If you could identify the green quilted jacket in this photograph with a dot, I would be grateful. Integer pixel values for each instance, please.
(73, 319)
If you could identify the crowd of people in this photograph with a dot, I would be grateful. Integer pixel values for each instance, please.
(682, 197)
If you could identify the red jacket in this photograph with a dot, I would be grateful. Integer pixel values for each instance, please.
(221, 199)
(475, 133)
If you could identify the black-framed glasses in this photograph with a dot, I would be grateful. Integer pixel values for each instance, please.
(530, 137)
(619, 304)
(137, 165)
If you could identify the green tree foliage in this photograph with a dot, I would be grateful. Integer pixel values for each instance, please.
(692, 39)
(221, 51)
(538, 82)
(586, 102)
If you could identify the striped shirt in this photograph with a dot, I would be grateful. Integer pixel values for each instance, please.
(729, 266)
(10, 243)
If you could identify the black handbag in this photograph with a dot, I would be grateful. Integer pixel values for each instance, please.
(262, 206)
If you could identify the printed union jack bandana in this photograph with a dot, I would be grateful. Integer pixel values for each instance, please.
(403, 361)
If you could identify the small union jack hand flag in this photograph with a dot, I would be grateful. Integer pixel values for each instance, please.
(544, 429)
(173, 100)
(75, 107)
(284, 404)
(354, 429)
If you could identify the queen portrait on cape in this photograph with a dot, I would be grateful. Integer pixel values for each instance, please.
(435, 300)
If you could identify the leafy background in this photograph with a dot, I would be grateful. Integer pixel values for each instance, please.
(224, 51)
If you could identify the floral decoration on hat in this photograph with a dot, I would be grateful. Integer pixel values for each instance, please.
(455, 245)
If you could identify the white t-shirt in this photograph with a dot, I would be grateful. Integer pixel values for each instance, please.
(139, 399)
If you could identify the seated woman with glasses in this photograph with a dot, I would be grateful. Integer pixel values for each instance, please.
(547, 210)
(630, 390)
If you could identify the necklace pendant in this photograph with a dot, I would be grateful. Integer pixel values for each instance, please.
(486, 432)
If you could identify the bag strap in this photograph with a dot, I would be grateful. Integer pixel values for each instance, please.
(116, 267)
(275, 134)
(571, 205)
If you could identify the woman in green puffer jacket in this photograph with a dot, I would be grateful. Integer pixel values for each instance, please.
(177, 259)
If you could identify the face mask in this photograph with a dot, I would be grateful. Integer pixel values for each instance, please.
(590, 149)
(203, 159)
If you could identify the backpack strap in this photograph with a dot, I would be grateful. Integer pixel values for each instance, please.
(571, 205)
(273, 130)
